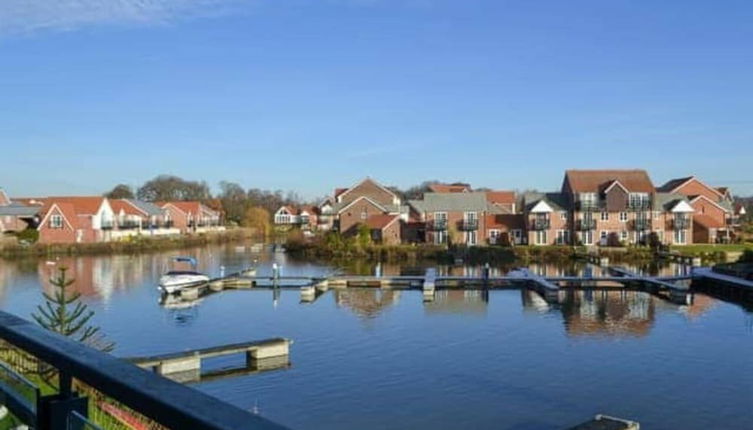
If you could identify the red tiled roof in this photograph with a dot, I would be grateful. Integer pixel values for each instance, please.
(184, 206)
(672, 184)
(707, 221)
(339, 191)
(88, 205)
(501, 197)
(449, 188)
(378, 222)
(592, 181)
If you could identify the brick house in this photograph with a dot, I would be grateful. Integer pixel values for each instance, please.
(609, 207)
(385, 229)
(136, 217)
(355, 205)
(714, 216)
(546, 219)
(76, 220)
(454, 217)
(191, 216)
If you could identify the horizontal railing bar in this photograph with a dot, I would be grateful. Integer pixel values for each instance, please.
(169, 403)
(21, 408)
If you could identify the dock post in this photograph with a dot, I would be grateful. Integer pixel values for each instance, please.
(429, 284)
(485, 275)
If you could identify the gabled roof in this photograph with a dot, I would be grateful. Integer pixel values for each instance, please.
(674, 185)
(594, 181)
(614, 183)
(148, 208)
(342, 206)
(66, 209)
(474, 201)
(380, 222)
(82, 205)
(556, 201)
(501, 197)
(666, 201)
(193, 207)
(449, 188)
(366, 181)
(694, 199)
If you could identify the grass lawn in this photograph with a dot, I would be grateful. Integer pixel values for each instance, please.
(708, 247)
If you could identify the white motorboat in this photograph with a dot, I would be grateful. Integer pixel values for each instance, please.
(175, 280)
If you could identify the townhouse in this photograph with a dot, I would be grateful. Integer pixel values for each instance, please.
(306, 217)
(714, 217)
(76, 220)
(457, 218)
(546, 219)
(191, 216)
(612, 207)
(136, 217)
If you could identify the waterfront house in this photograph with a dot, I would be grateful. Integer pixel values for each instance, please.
(714, 215)
(611, 207)
(326, 219)
(459, 218)
(506, 200)
(355, 205)
(385, 229)
(137, 217)
(75, 220)
(505, 228)
(16, 216)
(191, 216)
(306, 218)
(546, 219)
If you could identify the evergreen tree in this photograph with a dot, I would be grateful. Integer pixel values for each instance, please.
(64, 313)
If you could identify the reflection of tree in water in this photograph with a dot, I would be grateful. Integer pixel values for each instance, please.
(608, 313)
(366, 303)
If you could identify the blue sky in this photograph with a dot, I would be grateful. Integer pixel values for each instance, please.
(313, 94)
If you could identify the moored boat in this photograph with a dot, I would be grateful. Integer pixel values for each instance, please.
(175, 280)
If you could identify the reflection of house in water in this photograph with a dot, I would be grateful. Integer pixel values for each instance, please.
(608, 313)
(366, 302)
(461, 301)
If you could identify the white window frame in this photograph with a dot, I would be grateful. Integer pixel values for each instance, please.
(624, 236)
(680, 237)
(563, 237)
(540, 237)
(494, 235)
(587, 237)
(56, 221)
(604, 216)
(623, 216)
(563, 215)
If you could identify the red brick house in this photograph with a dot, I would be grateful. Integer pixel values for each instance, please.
(60, 224)
(90, 217)
(385, 229)
(355, 205)
(191, 216)
(714, 210)
(459, 218)
(622, 206)
(305, 217)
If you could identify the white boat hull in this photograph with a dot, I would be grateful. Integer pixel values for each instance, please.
(174, 283)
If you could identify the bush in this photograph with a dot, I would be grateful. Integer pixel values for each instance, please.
(28, 236)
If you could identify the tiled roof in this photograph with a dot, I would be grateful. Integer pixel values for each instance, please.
(449, 188)
(592, 181)
(121, 205)
(437, 202)
(150, 208)
(378, 222)
(558, 201)
(670, 185)
(88, 205)
(66, 209)
(15, 209)
(501, 197)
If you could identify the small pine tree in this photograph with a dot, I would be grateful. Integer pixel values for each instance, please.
(64, 313)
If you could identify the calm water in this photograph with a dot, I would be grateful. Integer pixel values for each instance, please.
(372, 359)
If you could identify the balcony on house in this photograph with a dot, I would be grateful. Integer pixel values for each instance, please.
(107, 225)
(470, 224)
(639, 205)
(540, 224)
(642, 224)
(681, 223)
(437, 225)
(733, 221)
(128, 225)
(587, 205)
(586, 224)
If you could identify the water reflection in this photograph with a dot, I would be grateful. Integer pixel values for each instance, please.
(467, 302)
(607, 313)
(366, 303)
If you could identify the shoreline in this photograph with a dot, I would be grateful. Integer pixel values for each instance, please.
(135, 246)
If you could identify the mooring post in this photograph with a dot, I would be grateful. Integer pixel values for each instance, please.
(485, 274)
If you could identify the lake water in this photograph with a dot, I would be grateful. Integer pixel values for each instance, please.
(373, 359)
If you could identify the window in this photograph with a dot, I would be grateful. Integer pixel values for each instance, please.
(494, 236)
(364, 214)
(563, 215)
(623, 235)
(540, 237)
(680, 237)
(639, 200)
(56, 221)
(605, 216)
(623, 216)
(563, 237)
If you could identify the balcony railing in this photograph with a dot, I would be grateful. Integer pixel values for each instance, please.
(586, 224)
(540, 224)
(128, 225)
(468, 224)
(107, 225)
(642, 224)
(437, 225)
(166, 403)
(587, 205)
(639, 205)
(681, 223)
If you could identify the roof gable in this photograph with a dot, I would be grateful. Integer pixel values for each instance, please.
(66, 210)
(541, 207)
(701, 196)
(365, 182)
(682, 207)
(82, 205)
(377, 205)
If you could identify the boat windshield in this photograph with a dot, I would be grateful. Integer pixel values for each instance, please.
(182, 272)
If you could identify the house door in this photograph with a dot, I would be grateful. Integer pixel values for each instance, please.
(517, 236)
(471, 239)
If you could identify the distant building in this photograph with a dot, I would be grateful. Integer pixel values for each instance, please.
(191, 216)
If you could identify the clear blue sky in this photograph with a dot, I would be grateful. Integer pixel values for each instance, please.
(313, 94)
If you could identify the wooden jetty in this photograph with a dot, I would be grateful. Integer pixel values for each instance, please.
(186, 366)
